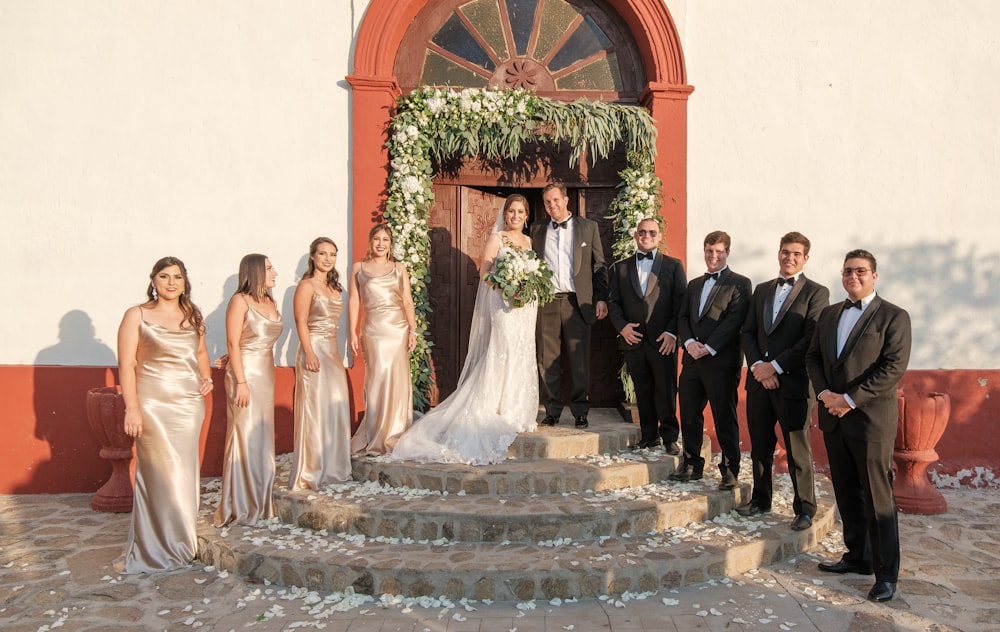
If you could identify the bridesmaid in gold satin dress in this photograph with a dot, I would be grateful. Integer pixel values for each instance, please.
(165, 375)
(253, 324)
(381, 287)
(322, 409)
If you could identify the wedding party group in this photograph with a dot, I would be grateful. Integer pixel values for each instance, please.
(542, 287)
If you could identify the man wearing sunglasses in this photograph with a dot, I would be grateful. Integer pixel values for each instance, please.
(646, 293)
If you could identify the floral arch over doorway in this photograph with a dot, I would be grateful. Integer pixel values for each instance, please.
(437, 124)
(375, 89)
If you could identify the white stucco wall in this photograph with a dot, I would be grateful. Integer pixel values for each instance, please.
(207, 130)
(133, 130)
(861, 124)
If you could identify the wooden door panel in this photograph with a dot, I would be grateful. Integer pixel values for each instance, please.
(444, 288)
(605, 358)
(460, 222)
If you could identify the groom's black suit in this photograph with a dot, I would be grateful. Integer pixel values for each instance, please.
(568, 318)
(653, 374)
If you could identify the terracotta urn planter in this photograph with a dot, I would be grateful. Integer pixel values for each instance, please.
(922, 420)
(106, 414)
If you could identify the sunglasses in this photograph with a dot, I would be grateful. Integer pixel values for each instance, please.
(852, 271)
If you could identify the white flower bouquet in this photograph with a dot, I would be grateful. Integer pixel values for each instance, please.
(521, 277)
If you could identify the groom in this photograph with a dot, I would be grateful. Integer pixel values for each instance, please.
(571, 246)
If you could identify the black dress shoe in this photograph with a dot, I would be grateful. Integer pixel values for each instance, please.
(581, 421)
(728, 481)
(844, 566)
(801, 523)
(550, 420)
(687, 473)
(751, 509)
(882, 591)
(672, 449)
(646, 444)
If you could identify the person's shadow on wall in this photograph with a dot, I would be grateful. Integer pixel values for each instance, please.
(288, 342)
(215, 321)
(59, 400)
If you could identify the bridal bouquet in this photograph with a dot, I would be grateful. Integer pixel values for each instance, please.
(521, 277)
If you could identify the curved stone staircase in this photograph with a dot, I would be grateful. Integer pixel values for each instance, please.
(571, 514)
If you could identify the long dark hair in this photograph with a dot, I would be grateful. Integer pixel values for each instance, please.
(332, 277)
(192, 315)
(253, 278)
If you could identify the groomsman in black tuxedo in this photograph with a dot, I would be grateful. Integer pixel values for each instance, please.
(715, 306)
(776, 335)
(571, 246)
(856, 358)
(646, 294)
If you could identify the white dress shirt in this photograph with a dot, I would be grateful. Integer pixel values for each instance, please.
(643, 266)
(848, 319)
(559, 256)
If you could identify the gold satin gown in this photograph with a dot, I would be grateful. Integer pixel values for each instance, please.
(388, 388)
(248, 467)
(322, 409)
(163, 531)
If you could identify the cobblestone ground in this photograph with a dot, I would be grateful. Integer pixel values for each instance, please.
(55, 572)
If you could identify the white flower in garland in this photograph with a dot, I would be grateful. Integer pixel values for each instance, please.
(411, 185)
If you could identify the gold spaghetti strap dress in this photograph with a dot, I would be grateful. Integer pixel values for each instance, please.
(322, 409)
(163, 531)
(388, 387)
(248, 467)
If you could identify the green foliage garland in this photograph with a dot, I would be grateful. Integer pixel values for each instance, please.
(436, 124)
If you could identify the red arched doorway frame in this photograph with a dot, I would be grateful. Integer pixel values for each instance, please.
(374, 90)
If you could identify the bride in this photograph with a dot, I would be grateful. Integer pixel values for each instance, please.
(497, 392)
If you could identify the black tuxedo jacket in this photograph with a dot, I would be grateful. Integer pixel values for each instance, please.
(872, 362)
(719, 325)
(590, 275)
(786, 338)
(655, 310)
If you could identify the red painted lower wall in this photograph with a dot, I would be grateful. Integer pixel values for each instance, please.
(49, 447)
(971, 440)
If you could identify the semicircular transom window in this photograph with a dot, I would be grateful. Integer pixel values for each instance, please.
(564, 48)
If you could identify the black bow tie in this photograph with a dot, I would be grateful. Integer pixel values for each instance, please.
(848, 304)
(562, 224)
(712, 275)
(644, 255)
(783, 280)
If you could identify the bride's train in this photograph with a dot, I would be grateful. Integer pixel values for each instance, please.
(496, 396)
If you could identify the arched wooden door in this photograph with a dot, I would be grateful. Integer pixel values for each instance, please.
(563, 49)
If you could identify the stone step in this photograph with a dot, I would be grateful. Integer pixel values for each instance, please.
(606, 434)
(572, 513)
(520, 478)
(317, 560)
(550, 460)
(375, 511)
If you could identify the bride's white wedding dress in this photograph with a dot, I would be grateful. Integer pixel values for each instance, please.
(497, 393)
